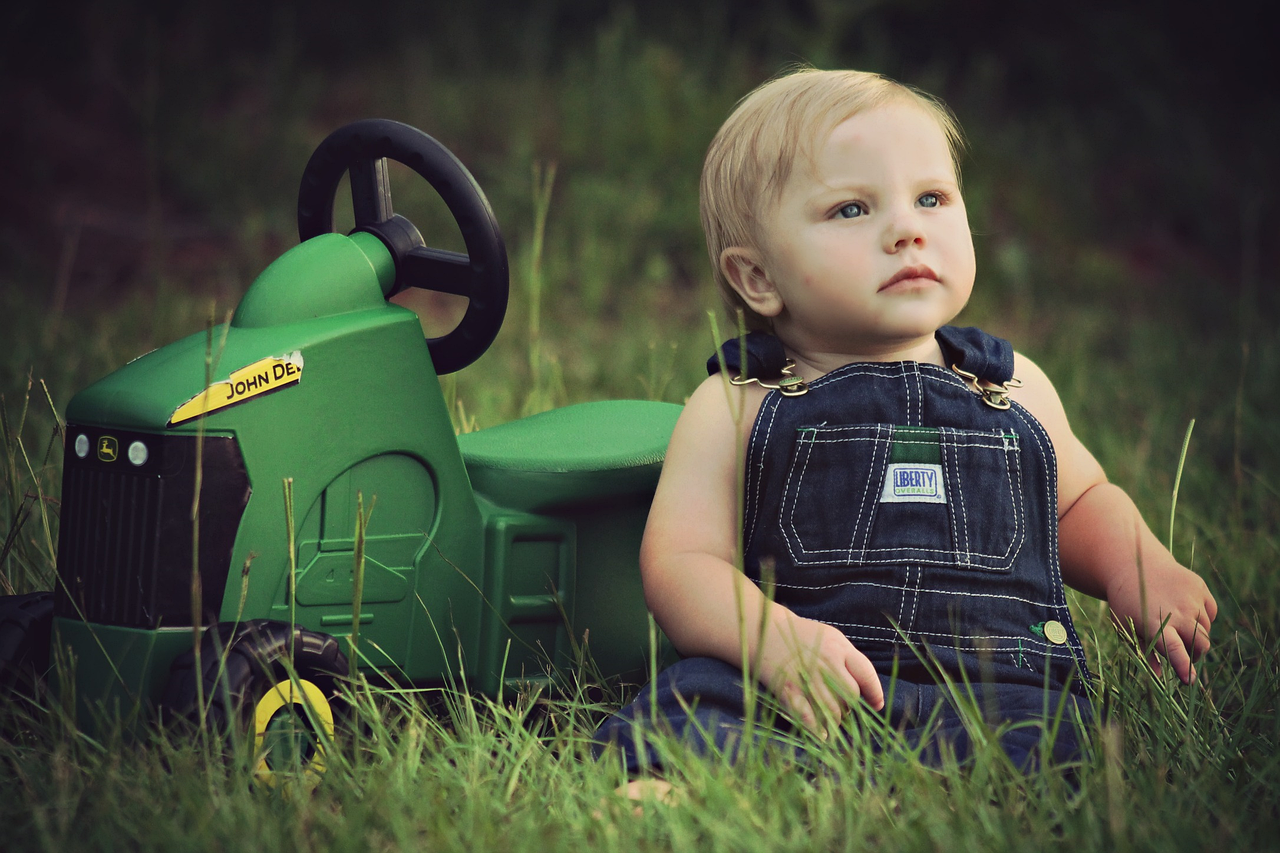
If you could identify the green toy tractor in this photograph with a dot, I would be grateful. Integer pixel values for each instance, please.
(494, 553)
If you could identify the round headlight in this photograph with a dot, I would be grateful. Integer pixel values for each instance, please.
(138, 453)
(82, 445)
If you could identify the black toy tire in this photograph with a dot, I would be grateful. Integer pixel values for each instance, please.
(244, 667)
(25, 625)
(481, 274)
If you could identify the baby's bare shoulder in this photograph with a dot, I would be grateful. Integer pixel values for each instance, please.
(1078, 470)
(721, 409)
(1037, 393)
(693, 510)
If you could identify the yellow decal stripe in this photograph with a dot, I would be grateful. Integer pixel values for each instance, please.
(269, 374)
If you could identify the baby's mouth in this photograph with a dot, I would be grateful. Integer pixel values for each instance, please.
(908, 274)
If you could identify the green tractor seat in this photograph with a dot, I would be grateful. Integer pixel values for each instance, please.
(588, 452)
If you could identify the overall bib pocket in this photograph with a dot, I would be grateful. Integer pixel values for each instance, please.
(878, 494)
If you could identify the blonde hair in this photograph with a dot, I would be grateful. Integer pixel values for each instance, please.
(755, 151)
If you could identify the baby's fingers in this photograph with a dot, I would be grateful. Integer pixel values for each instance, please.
(798, 706)
(865, 679)
(1170, 643)
(814, 708)
(1197, 642)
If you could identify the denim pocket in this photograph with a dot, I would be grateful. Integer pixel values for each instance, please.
(877, 494)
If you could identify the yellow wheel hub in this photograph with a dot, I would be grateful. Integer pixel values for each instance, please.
(292, 722)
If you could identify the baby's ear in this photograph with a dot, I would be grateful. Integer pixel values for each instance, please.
(745, 272)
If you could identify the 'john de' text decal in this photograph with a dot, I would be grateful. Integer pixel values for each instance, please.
(269, 374)
(913, 483)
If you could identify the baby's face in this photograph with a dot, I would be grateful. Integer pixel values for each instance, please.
(869, 246)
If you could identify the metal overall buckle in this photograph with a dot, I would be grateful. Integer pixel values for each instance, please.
(994, 394)
(788, 383)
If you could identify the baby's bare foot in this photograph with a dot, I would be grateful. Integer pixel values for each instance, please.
(642, 791)
(658, 790)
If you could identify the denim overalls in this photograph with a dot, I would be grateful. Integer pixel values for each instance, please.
(914, 507)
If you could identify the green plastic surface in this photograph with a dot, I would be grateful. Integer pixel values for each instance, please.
(117, 671)
(325, 276)
(577, 454)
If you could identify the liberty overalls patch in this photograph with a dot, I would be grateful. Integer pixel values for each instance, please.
(907, 483)
(915, 473)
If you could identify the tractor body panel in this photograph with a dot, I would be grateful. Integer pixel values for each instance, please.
(567, 494)
(115, 672)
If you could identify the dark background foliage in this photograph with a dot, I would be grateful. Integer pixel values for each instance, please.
(1159, 116)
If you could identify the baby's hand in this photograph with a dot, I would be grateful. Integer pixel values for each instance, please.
(816, 672)
(1172, 593)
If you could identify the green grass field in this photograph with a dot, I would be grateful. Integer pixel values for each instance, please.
(1145, 314)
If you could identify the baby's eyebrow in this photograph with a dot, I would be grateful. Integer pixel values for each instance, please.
(859, 190)
(935, 180)
(870, 190)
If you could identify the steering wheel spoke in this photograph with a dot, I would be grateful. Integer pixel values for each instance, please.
(437, 269)
(370, 191)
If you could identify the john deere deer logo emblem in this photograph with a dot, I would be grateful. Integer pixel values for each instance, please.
(108, 448)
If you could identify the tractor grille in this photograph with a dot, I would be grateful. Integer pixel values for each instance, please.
(125, 540)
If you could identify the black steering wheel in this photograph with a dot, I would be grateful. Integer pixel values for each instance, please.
(481, 274)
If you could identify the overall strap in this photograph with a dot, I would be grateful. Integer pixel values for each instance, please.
(765, 357)
(972, 350)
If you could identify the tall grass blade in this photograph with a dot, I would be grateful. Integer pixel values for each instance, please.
(291, 543)
(1177, 480)
(357, 576)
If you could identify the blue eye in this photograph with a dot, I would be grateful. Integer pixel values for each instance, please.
(929, 200)
(852, 210)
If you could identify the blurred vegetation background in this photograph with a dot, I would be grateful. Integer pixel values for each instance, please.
(1128, 144)
(1120, 180)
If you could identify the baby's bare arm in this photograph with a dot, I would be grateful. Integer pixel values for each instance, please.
(703, 602)
(1109, 552)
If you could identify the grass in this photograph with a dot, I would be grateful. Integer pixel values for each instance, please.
(609, 299)
(456, 772)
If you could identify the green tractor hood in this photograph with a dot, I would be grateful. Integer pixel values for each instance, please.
(329, 285)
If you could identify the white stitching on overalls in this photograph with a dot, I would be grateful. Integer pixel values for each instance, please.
(1051, 504)
(962, 554)
(959, 532)
(922, 589)
(883, 633)
(755, 472)
(906, 389)
(807, 443)
(884, 446)
(915, 602)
